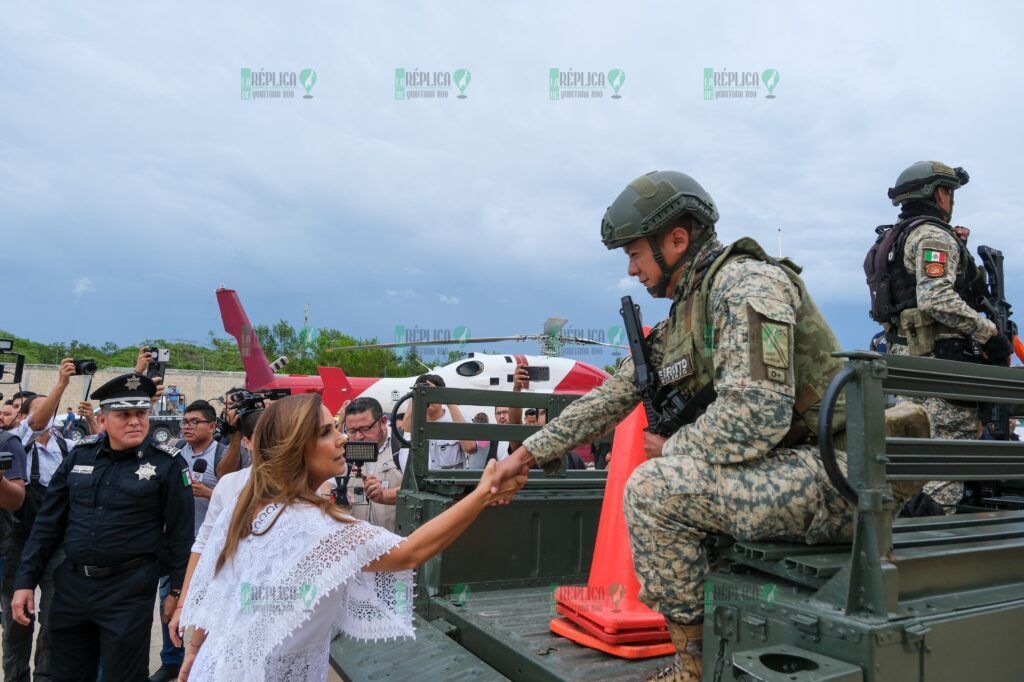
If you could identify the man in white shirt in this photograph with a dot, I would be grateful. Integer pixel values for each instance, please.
(443, 454)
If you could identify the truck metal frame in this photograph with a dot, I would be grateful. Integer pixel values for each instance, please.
(919, 599)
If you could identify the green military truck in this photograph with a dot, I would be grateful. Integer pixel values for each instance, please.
(932, 599)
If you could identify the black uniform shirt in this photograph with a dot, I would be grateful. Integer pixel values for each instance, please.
(112, 506)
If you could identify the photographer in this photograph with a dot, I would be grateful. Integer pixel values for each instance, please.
(44, 408)
(364, 420)
(237, 455)
(443, 454)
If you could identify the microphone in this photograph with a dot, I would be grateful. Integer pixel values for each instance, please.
(198, 469)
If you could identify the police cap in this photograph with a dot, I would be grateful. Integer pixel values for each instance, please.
(127, 392)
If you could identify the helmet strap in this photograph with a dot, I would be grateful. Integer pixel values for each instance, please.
(660, 289)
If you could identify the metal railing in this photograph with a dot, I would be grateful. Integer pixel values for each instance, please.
(420, 477)
(873, 459)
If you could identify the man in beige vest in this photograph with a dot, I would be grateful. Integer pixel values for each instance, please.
(364, 420)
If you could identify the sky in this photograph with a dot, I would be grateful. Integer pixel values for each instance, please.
(135, 179)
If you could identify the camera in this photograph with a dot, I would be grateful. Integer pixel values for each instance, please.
(85, 367)
(244, 403)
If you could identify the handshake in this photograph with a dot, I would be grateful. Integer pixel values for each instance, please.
(502, 480)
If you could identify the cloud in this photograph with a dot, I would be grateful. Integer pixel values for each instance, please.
(82, 286)
(628, 284)
(499, 194)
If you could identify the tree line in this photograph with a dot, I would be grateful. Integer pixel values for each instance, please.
(305, 352)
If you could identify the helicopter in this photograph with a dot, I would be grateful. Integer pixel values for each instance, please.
(477, 370)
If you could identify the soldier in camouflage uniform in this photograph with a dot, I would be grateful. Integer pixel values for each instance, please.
(748, 466)
(933, 285)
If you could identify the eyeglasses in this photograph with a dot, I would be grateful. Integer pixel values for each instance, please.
(362, 430)
(192, 423)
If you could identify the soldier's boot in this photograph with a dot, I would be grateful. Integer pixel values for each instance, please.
(686, 665)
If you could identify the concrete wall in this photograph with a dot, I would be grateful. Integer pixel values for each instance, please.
(194, 384)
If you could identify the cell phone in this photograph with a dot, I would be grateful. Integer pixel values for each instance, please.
(158, 359)
(361, 451)
(538, 373)
(156, 369)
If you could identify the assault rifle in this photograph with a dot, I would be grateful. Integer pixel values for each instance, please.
(994, 304)
(667, 410)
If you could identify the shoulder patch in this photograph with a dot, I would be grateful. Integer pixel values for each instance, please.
(934, 256)
(89, 440)
(167, 449)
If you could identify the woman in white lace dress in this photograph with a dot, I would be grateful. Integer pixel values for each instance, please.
(284, 568)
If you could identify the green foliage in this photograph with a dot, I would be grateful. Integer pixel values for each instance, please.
(305, 352)
(304, 357)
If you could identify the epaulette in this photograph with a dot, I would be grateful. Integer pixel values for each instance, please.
(89, 440)
(167, 449)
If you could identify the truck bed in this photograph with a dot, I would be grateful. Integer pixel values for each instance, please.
(506, 628)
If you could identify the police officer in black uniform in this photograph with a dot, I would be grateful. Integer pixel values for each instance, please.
(123, 507)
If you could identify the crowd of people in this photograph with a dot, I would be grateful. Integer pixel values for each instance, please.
(196, 478)
(263, 541)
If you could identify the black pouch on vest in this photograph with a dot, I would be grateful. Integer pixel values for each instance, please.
(960, 350)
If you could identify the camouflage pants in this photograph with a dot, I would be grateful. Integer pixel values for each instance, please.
(949, 421)
(673, 503)
(953, 422)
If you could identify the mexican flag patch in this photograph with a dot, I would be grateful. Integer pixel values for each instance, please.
(933, 256)
(186, 480)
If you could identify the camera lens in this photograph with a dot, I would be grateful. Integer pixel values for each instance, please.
(85, 367)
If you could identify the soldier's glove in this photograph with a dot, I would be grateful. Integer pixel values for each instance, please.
(997, 349)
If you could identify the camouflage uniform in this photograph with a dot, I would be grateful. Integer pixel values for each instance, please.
(933, 254)
(726, 472)
(920, 285)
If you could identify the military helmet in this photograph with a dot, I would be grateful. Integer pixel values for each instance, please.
(653, 202)
(920, 180)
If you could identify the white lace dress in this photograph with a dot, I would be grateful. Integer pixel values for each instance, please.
(270, 614)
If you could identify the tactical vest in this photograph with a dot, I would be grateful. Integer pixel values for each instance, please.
(893, 288)
(813, 343)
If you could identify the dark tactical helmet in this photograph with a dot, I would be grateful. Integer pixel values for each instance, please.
(920, 180)
(652, 203)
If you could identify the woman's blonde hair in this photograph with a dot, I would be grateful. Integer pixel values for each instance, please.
(285, 435)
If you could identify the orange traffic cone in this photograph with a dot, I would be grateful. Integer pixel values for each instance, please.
(608, 611)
